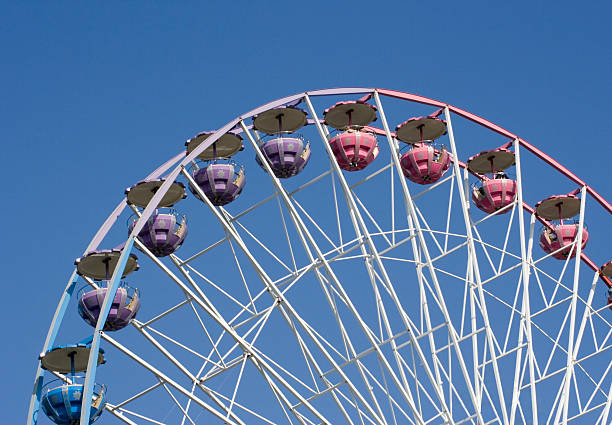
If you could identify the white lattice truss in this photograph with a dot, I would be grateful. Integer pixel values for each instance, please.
(415, 315)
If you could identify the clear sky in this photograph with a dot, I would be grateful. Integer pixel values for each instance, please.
(96, 95)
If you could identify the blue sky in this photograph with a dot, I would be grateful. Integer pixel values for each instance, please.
(94, 97)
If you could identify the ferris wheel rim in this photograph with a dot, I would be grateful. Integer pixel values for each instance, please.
(296, 98)
(405, 96)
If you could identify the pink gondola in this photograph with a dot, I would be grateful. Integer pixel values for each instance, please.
(557, 235)
(424, 163)
(354, 149)
(497, 192)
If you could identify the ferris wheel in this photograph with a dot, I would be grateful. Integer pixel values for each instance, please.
(353, 255)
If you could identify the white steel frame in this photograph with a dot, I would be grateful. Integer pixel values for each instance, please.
(418, 365)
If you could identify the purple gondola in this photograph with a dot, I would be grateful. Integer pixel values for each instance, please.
(286, 155)
(123, 309)
(222, 183)
(162, 233)
(220, 179)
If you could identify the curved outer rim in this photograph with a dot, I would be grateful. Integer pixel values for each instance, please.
(172, 175)
(62, 306)
(343, 91)
(348, 91)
